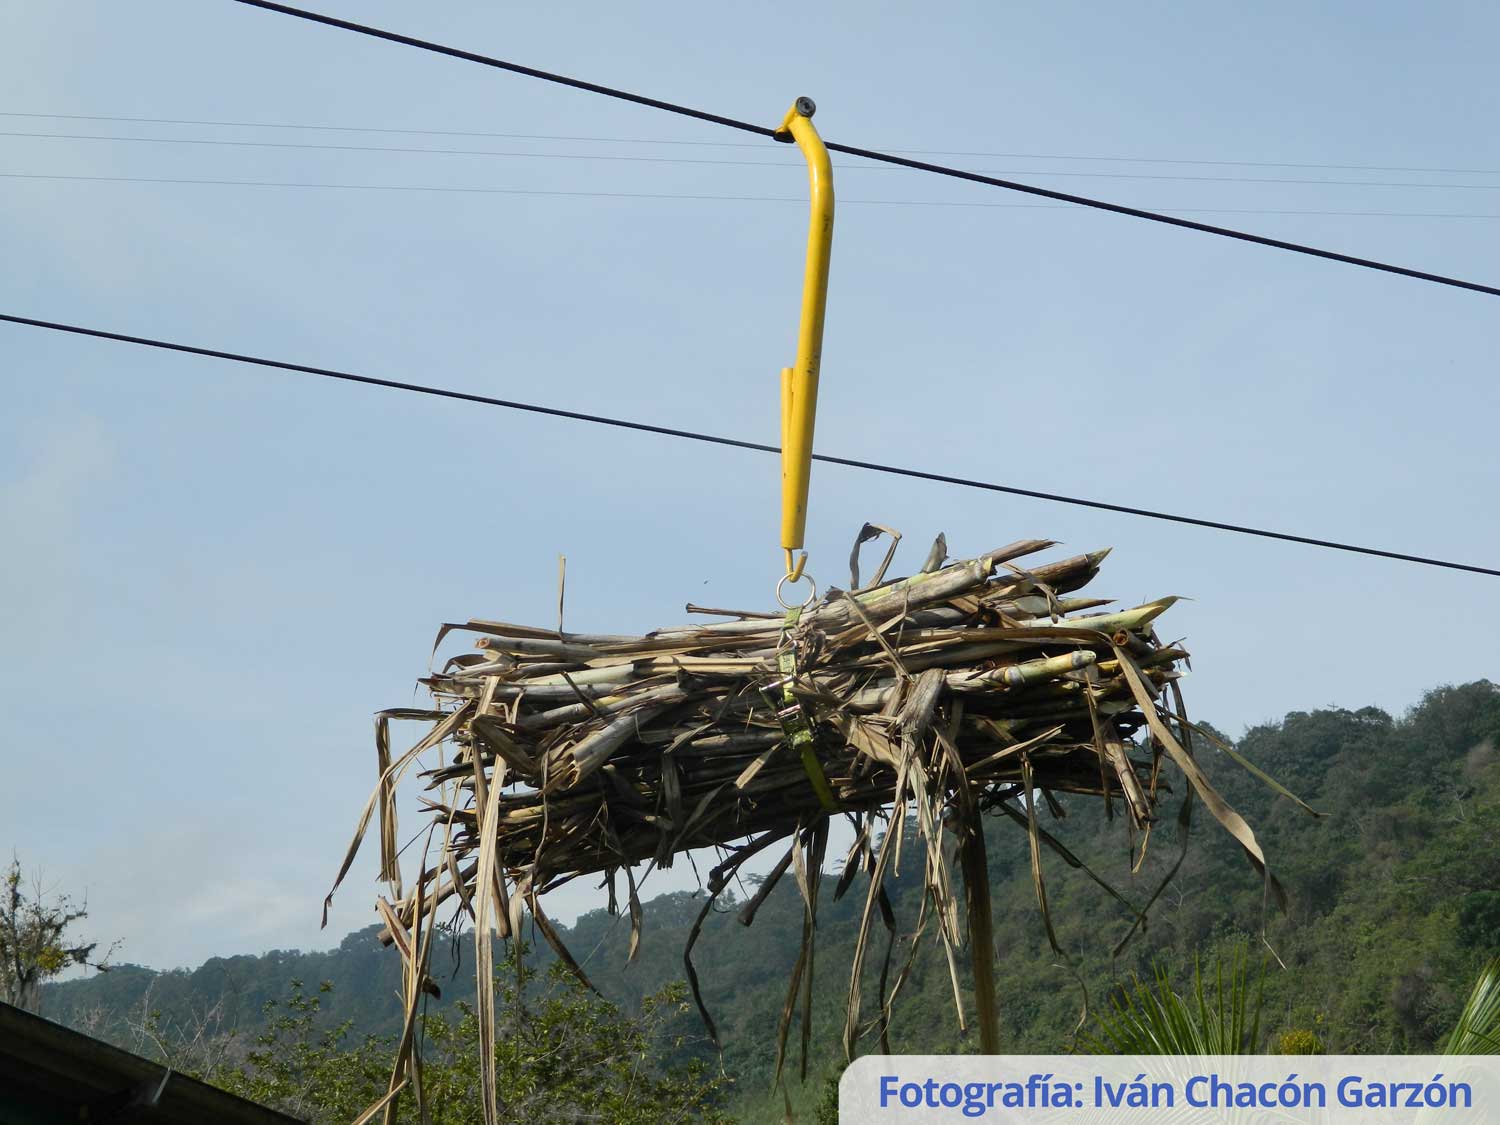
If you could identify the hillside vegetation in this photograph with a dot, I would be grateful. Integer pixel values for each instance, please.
(1393, 905)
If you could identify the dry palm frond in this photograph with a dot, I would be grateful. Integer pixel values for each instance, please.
(915, 705)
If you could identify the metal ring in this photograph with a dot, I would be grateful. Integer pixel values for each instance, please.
(811, 597)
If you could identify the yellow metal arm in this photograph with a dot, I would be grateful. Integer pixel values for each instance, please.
(799, 383)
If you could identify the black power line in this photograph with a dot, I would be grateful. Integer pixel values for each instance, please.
(716, 439)
(869, 154)
(514, 68)
(1169, 220)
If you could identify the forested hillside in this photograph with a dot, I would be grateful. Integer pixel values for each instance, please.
(1393, 901)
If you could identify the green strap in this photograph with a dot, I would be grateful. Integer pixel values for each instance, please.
(794, 722)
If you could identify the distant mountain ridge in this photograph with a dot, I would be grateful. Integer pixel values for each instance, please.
(1394, 902)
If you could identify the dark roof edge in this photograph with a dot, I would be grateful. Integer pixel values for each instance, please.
(61, 1050)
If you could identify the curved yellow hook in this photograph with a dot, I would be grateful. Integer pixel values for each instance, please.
(799, 383)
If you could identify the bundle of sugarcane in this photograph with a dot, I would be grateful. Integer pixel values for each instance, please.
(976, 686)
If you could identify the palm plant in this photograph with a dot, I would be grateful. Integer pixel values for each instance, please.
(1478, 1028)
(1222, 1018)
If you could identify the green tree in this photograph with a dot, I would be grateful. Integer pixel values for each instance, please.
(569, 1055)
(303, 1066)
(1479, 920)
(35, 945)
(561, 1054)
(826, 1112)
(1300, 1041)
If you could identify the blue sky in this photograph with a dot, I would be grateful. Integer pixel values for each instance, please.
(214, 575)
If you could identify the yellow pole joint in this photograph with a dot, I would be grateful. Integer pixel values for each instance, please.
(799, 383)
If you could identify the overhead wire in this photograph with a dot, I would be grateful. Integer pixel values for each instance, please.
(884, 157)
(737, 443)
(745, 144)
(467, 190)
(869, 154)
(647, 159)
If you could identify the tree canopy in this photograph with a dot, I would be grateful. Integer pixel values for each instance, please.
(36, 939)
